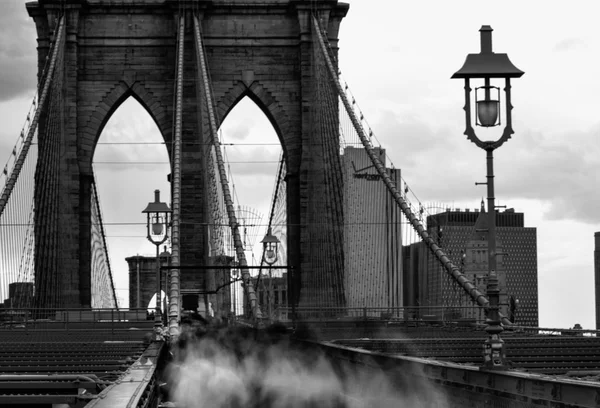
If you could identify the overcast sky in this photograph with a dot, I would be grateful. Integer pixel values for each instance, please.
(397, 58)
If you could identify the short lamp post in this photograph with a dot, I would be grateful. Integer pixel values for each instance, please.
(270, 247)
(485, 67)
(158, 220)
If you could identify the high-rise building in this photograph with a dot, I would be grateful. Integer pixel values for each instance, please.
(372, 234)
(597, 276)
(463, 236)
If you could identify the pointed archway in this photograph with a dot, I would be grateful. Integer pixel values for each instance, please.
(130, 161)
(253, 151)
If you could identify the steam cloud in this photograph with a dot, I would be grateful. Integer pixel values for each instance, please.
(232, 370)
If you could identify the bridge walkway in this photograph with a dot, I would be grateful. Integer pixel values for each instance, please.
(74, 364)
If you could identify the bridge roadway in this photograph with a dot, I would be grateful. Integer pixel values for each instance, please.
(118, 366)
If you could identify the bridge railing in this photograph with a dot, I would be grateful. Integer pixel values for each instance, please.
(468, 316)
(73, 319)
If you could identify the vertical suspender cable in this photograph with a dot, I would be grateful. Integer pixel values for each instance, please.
(239, 249)
(174, 289)
(10, 184)
(96, 203)
(475, 294)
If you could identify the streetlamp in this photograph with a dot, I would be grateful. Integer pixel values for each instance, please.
(158, 214)
(486, 66)
(270, 245)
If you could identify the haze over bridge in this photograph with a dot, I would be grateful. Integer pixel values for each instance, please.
(188, 64)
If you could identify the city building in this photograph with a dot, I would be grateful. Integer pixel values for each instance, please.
(213, 300)
(372, 234)
(20, 295)
(463, 236)
(272, 294)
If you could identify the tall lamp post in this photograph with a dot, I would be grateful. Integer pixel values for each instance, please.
(485, 67)
(270, 246)
(157, 225)
(165, 261)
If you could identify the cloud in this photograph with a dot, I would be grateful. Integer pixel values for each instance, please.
(18, 55)
(568, 44)
(250, 161)
(442, 165)
(131, 136)
(432, 161)
(561, 170)
(239, 131)
(6, 149)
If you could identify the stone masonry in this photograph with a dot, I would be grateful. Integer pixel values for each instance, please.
(116, 49)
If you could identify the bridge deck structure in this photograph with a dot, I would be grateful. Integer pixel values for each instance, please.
(73, 363)
(464, 385)
(189, 63)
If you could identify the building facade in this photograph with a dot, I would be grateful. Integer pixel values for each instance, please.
(272, 292)
(463, 236)
(372, 234)
(20, 295)
(214, 299)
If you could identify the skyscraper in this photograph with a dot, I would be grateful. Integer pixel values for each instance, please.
(463, 236)
(372, 237)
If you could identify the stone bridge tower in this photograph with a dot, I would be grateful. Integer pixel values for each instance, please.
(121, 48)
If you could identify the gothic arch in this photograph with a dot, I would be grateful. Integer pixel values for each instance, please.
(101, 113)
(266, 102)
(260, 49)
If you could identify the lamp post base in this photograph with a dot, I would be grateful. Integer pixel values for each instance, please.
(494, 353)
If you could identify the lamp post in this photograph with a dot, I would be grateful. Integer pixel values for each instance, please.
(485, 67)
(165, 261)
(270, 243)
(235, 273)
(270, 246)
(157, 225)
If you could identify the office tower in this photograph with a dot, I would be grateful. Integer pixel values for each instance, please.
(372, 234)
(463, 236)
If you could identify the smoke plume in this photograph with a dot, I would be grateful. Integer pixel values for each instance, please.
(238, 368)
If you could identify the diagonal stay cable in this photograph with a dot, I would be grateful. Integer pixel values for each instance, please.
(452, 269)
(96, 203)
(10, 184)
(256, 313)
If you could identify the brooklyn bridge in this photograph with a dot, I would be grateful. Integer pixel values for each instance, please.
(361, 294)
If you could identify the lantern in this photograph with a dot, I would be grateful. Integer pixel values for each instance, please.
(486, 67)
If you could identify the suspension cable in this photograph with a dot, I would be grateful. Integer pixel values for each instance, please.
(104, 243)
(475, 294)
(10, 184)
(174, 290)
(239, 249)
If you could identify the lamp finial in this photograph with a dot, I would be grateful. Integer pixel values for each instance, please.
(486, 39)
